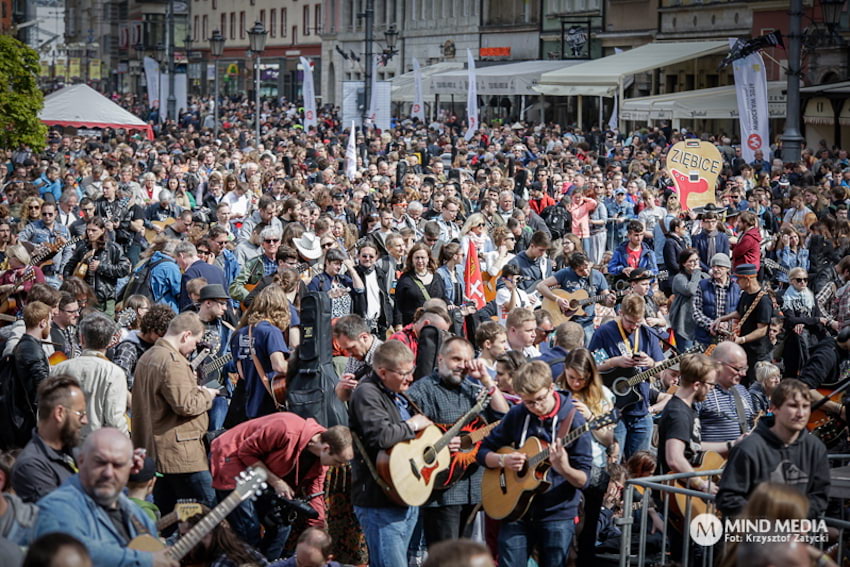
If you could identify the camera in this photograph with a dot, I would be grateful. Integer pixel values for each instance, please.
(283, 512)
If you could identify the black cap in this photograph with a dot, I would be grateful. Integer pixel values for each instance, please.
(639, 274)
(148, 472)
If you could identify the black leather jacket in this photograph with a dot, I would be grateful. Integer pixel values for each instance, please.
(113, 266)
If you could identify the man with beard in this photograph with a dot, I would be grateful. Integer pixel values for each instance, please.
(46, 461)
(444, 397)
(679, 439)
(31, 363)
(91, 507)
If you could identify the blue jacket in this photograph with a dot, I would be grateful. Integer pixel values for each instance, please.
(70, 510)
(165, 280)
(620, 260)
(46, 186)
(700, 242)
(200, 269)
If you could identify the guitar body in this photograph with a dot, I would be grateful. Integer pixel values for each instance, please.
(151, 234)
(828, 428)
(489, 285)
(462, 462)
(277, 385)
(250, 287)
(708, 461)
(507, 494)
(57, 357)
(146, 542)
(411, 467)
(617, 380)
(576, 306)
(820, 417)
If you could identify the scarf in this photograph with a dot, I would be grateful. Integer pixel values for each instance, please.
(799, 302)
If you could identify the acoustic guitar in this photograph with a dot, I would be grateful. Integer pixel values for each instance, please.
(462, 462)
(507, 494)
(124, 318)
(706, 461)
(206, 370)
(251, 482)
(624, 381)
(827, 427)
(578, 300)
(151, 234)
(411, 468)
(8, 304)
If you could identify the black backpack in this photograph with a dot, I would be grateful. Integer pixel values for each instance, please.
(558, 220)
(17, 418)
(140, 281)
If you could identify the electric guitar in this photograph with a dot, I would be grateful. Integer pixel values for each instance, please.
(624, 382)
(125, 318)
(251, 482)
(213, 366)
(48, 249)
(773, 265)
(463, 460)
(508, 494)
(411, 468)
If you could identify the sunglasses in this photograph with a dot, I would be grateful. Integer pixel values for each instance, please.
(328, 245)
(271, 240)
(803, 280)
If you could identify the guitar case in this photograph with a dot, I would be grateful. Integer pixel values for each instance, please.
(430, 340)
(310, 391)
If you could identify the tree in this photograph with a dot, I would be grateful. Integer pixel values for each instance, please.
(20, 98)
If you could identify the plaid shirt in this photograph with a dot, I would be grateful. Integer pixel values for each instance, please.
(721, 294)
(841, 305)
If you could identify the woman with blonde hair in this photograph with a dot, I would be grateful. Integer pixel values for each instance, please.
(474, 230)
(19, 278)
(30, 211)
(593, 400)
(570, 244)
(805, 325)
(259, 350)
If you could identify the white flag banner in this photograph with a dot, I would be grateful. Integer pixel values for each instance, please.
(152, 78)
(614, 121)
(418, 110)
(351, 153)
(309, 95)
(751, 90)
(372, 117)
(471, 99)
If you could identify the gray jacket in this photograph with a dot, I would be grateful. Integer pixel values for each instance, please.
(682, 311)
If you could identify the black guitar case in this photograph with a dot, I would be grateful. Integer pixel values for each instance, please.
(430, 340)
(310, 391)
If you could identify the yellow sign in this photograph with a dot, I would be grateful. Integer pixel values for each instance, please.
(94, 70)
(232, 70)
(60, 69)
(44, 69)
(694, 166)
(74, 71)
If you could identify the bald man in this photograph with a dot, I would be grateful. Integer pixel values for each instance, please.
(91, 507)
(727, 412)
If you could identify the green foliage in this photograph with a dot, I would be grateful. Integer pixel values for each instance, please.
(20, 98)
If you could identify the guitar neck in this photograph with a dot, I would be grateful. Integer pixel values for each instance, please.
(568, 438)
(217, 364)
(196, 363)
(452, 431)
(478, 435)
(647, 374)
(186, 543)
(600, 297)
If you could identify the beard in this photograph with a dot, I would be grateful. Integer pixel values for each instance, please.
(69, 434)
(452, 379)
(45, 332)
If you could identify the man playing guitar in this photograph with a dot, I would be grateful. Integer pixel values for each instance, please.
(547, 415)
(444, 397)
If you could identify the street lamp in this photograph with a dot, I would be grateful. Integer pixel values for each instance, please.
(391, 39)
(216, 49)
(172, 97)
(257, 37)
(831, 10)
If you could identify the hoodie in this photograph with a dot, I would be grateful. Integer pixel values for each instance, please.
(763, 457)
(18, 523)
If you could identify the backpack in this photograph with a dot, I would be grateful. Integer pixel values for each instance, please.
(140, 281)
(558, 220)
(17, 418)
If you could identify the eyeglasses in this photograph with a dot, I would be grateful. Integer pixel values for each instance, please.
(367, 256)
(271, 240)
(34, 207)
(47, 214)
(536, 401)
(738, 370)
(402, 374)
(203, 252)
(80, 413)
(71, 311)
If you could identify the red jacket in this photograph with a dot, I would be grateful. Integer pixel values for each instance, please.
(278, 440)
(748, 249)
(539, 204)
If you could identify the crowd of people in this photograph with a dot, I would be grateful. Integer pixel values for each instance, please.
(157, 318)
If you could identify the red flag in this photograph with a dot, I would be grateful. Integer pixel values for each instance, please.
(472, 277)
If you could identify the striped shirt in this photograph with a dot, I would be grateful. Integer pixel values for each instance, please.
(719, 417)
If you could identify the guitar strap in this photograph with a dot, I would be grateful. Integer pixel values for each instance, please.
(422, 287)
(567, 424)
(138, 525)
(259, 367)
(740, 411)
(373, 472)
(632, 349)
(752, 308)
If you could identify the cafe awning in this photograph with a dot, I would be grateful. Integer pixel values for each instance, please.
(707, 104)
(510, 79)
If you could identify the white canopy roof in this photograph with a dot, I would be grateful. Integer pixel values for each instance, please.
(601, 77)
(504, 80)
(81, 106)
(706, 104)
(832, 88)
(403, 86)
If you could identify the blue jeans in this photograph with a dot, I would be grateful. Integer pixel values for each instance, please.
(245, 520)
(633, 434)
(220, 405)
(387, 532)
(171, 487)
(553, 539)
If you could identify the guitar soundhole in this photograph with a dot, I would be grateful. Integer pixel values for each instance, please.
(621, 387)
(429, 456)
(523, 471)
(574, 305)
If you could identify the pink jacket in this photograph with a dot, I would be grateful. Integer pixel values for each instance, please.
(581, 217)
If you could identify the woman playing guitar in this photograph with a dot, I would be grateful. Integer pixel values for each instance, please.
(16, 282)
(100, 263)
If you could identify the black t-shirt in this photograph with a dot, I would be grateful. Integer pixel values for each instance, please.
(678, 421)
(761, 314)
(119, 520)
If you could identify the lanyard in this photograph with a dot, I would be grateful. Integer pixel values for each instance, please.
(632, 349)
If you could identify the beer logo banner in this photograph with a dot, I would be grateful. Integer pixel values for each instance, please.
(694, 167)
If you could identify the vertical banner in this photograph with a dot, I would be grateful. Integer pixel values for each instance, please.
(751, 90)
(614, 121)
(309, 95)
(418, 109)
(373, 95)
(351, 153)
(152, 79)
(472, 276)
(471, 99)
(60, 70)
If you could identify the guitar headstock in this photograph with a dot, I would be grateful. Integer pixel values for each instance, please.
(609, 418)
(251, 482)
(772, 264)
(126, 317)
(185, 509)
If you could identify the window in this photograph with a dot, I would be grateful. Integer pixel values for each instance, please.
(196, 28)
(232, 25)
(241, 25)
(215, 4)
(318, 19)
(305, 23)
(273, 22)
(294, 35)
(205, 26)
(263, 17)
(283, 27)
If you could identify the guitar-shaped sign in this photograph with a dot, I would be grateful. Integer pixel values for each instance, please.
(251, 482)
(507, 494)
(411, 467)
(695, 166)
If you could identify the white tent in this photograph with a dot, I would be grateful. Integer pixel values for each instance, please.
(404, 85)
(81, 106)
(605, 76)
(509, 79)
(703, 104)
